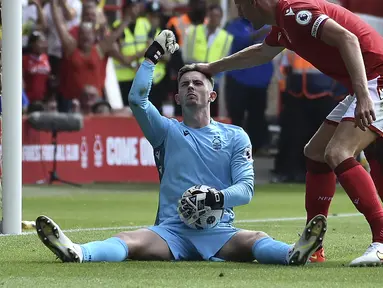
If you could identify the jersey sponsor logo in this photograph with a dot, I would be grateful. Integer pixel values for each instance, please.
(304, 17)
(217, 143)
(248, 154)
(316, 25)
(289, 12)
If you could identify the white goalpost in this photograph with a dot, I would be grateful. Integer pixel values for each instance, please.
(12, 116)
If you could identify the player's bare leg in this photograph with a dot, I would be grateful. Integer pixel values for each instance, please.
(239, 247)
(246, 246)
(347, 142)
(146, 245)
(357, 182)
(315, 148)
(141, 244)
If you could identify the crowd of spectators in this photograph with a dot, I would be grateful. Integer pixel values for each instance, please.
(68, 46)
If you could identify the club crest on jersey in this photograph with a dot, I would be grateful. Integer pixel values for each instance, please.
(304, 17)
(217, 143)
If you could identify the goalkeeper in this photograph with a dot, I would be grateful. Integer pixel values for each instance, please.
(198, 150)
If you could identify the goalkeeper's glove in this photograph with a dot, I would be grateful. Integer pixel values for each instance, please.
(214, 199)
(190, 208)
(163, 42)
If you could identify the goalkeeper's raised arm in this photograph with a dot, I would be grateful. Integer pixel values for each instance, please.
(153, 125)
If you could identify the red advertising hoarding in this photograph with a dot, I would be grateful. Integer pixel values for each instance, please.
(107, 149)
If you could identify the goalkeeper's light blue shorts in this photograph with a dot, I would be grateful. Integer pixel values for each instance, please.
(190, 244)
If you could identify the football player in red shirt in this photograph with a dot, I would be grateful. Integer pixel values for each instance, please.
(347, 49)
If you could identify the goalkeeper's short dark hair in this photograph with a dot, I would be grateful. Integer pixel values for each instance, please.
(191, 68)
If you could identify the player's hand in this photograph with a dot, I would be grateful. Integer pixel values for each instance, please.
(167, 40)
(187, 210)
(214, 199)
(163, 42)
(364, 112)
(205, 68)
(190, 208)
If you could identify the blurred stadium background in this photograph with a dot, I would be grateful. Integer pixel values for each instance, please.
(112, 165)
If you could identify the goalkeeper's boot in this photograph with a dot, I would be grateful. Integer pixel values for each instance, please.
(54, 238)
(318, 256)
(309, 242)
(372, 257)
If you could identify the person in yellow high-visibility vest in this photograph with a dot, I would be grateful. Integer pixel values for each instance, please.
(160, 88)
(207, 43)
(133, 44)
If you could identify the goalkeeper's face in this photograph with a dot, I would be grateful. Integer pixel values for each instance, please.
(195, 90)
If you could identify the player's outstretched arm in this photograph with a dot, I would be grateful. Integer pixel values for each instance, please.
(242, 173)
(349, 48)
(152, 123)
(251, 56)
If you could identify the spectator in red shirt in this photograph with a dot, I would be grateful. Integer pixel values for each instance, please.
(36, 68)
(92, 14)
(84, 59)
(89, 14)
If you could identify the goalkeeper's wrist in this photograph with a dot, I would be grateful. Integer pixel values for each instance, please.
(215, 199)
(154, 52)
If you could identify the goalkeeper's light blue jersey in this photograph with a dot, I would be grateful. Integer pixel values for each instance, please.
(218, 155)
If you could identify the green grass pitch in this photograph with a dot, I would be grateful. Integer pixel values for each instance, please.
(25, 262)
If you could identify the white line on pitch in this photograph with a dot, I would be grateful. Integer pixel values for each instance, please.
(346, 215)
(235, 222)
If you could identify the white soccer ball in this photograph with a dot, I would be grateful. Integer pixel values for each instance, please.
(203, 217)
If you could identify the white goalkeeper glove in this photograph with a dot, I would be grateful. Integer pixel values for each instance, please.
(163, 42)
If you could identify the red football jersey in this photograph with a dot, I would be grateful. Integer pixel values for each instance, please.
(36, 72)
(299, 24)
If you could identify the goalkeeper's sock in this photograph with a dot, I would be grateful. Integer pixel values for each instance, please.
(110, 250)
(269, 251)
